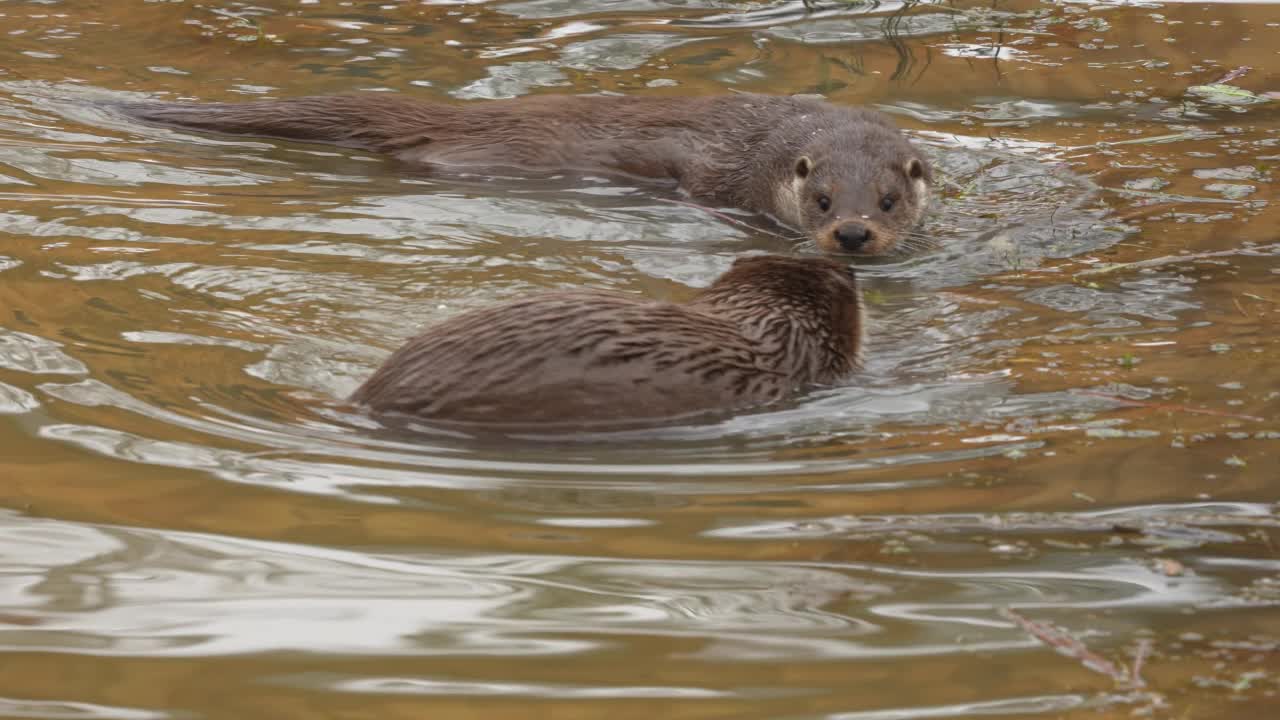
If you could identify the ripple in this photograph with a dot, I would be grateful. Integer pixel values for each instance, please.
(1153, 298)
(1042, 704)
(202, 515)
(65, 710)
(912, 19)
(48, 164)
(512, 80)
(442, 686)
(619, 51)
(1189, 520)
(200, 594)
(547, 9)
(29, 353)
(14, 401)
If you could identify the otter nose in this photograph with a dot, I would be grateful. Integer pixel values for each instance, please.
(851, 236)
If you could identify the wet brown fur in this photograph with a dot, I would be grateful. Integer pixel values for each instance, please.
(765, 329)
(736, 150)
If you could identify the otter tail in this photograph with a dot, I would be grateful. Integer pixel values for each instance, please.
(369, 121)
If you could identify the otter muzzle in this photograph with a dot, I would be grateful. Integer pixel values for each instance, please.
(852, 236)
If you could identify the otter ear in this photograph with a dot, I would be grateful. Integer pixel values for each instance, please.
(803, 167)
(915, 169)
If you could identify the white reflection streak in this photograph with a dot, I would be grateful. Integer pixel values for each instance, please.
(66, 710)
(1012, 706)
(115, 591)
(423, 686)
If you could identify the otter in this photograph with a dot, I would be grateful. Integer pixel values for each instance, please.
(765, 329)
(845, 176)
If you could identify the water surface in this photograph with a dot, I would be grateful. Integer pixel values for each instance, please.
(1069, 408)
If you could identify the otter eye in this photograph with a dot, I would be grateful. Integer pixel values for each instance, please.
(824, 203)
(886, 203)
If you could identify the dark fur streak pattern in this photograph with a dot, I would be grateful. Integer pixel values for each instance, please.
(766, 329)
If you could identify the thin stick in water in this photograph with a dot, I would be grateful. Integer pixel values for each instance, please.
(1069, 646)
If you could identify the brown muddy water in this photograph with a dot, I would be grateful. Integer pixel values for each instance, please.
(1066, 433)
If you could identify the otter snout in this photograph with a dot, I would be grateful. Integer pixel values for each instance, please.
(852, 236)
(856, 237)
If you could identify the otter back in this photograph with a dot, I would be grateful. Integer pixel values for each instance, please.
(767, 328)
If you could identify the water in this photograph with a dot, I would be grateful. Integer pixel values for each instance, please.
(1069, 407)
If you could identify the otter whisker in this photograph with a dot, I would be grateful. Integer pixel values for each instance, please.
(909, 244)
(920, 240)
(912, 232)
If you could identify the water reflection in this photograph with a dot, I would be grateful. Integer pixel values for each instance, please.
(16, 707)
(110, 590)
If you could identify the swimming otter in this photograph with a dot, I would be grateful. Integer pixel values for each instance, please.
(766, 328)
(846, 176)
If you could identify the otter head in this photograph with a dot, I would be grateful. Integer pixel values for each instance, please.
(856, 192)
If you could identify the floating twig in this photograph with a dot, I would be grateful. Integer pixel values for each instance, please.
(1181, 199)
(1158, 261)
(1149, 140)
(1175, 407)
(1070, 646)
(1233, 74)
(1139, 660)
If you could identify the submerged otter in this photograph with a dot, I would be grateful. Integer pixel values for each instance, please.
(765, 329)
(845, 176)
